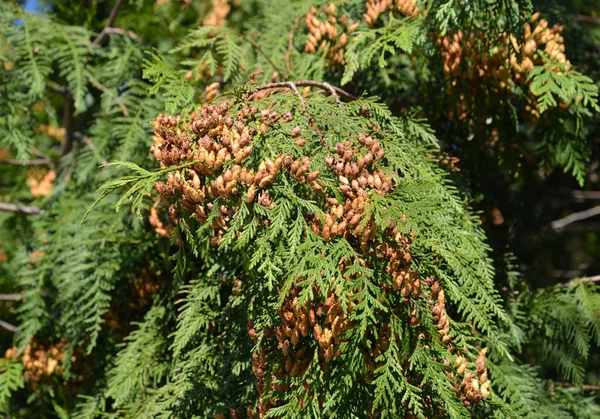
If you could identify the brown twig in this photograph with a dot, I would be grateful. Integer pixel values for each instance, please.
(311, 120)
(111, 19)
(106, 90)
(11, 297)
(39, 153)
(8, 326)
(336, 91)
(595, 278)
(584, 387)
(576, 216)
(20, 209)
(333, 93)
(35, 162)
(585, 194)
(587, 19)
(292, 86)
(123, 32)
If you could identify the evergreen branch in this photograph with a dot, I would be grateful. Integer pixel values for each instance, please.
(111, 19)
(141, 185)
(11, 379)
(20, 209)
(576, 216)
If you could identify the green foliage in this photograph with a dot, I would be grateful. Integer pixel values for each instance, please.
(553, 80)
(11, 379)
(152, 313)
(397, 35)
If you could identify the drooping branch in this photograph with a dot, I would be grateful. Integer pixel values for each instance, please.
(576, 216)
(20, 209)
(111, 19)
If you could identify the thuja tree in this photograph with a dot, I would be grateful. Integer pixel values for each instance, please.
(282, 209)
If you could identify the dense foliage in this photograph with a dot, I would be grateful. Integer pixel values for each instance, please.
(245, 208)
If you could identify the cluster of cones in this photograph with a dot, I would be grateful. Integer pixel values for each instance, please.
(503, 67)
(375, 8)
(40, 363)
(475, 385)
(330, 33)
(304, 329)
(216, 148)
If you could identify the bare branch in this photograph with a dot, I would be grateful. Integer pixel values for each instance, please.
(587, 19)
(595, 278)
(11, 297)
(123, 32)
(39, 153)
(35, 162)
(20, 209)
(335, 91)
(584, 387)
(111, 19)
(106, 90)
(576, 216)
(8, 326)
(585, 194)
(292, 86)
